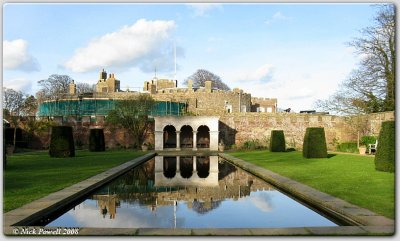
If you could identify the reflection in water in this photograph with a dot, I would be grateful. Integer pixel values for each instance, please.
(169, 167)
(203, 166)
(107, 204)
(189, 192)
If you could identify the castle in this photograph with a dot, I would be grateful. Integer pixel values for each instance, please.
(200, 101)
(241, 116)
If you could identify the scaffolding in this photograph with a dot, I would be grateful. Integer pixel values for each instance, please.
(100, 107)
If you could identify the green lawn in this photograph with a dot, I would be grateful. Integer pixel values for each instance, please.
(349, 177)
(30, 176)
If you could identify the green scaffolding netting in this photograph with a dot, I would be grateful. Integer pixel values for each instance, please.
(100, 107)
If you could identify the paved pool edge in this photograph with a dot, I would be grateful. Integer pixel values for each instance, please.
(365, 219)
(369, 224)
(31, 212)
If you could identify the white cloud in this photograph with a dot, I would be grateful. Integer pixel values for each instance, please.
(18, 84)
(262, 200)
(261, 74)
(135, 45)
(17, 57)
(200, 9)
(278, 16)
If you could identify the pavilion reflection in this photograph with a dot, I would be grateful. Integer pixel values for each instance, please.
(186, 171)
(202, 182)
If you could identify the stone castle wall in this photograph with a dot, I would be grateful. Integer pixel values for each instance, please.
(237, 128)
(264, 104)
(201, 102)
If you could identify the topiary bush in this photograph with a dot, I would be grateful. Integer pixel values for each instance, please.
(96, 140)
(385, 152)
(62, 142)
(277, 143)
(314, 145)
(4, 153)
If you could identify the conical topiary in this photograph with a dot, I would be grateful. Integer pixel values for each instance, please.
(385, 151)
(96, 140)
(277, 142)
(62, 142)
(314, 145)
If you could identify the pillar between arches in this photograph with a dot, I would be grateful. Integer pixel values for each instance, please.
(178, 140)
(194, 141)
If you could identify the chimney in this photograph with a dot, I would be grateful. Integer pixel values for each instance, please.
(103, 74)
(190, 84)
(72, 88)
(208, 85)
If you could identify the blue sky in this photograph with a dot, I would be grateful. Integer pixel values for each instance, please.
(296, 53)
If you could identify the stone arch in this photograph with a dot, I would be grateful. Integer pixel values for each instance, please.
(186, 136)
(169, 167)
(183, 122)
(203, 166)
(169, 137)
(203, 137)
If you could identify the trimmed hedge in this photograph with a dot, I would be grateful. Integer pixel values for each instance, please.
(385, 152)
(62, 142)
(96, 140)
(4, 153)
(347, 147)
(314, 145)
(277, 143)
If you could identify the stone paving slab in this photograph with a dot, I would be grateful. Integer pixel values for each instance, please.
(222, 232)
(338, 231)
(380, 230)
(108, 231)
(164, 232)
(279, 231)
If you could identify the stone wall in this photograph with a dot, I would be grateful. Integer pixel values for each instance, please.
(264, 104)
(201, 102)
(237, 128)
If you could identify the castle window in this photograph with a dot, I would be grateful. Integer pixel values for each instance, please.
(228, 108)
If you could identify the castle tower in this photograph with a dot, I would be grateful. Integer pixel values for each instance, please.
(107, 85)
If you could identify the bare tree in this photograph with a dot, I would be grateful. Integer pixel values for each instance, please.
(55, 86)
(371, 87)
(30, 106)
(13, 102)
(84, 88)
(132, 114)
(201, 76)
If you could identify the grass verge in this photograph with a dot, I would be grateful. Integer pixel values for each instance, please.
(30, 176)
(349, 177)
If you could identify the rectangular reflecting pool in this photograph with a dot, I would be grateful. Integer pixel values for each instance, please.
(188, 192)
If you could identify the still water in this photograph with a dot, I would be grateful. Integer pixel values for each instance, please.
(189, 192)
